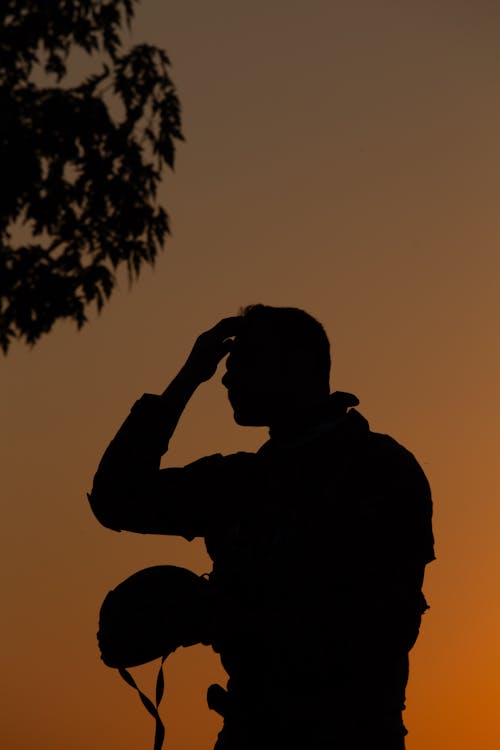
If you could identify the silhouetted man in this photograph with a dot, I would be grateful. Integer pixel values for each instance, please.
(319, 540)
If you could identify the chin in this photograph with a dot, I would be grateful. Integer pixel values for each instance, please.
(249, 420)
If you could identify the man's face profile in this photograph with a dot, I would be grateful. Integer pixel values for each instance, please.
(254, 380)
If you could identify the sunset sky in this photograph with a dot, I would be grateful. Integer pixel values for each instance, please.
(343, 157)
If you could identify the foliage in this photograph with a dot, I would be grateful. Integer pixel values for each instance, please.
(80, 164)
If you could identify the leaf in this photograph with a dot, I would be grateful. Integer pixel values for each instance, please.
(81, 177)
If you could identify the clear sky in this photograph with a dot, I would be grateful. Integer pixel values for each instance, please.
(341, 156)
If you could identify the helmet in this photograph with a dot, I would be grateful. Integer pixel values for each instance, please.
(152, 613)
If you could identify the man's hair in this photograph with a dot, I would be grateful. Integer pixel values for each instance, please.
(294, 330)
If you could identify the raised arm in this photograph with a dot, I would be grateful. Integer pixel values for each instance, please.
(127, 486)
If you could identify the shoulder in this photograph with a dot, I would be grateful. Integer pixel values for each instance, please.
(407, 507)
(391, 457)
(355, 443)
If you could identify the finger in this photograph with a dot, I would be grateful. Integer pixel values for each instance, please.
(222, 349)
(227, 327)
(225, 347)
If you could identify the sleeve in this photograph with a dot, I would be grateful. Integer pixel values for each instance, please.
(403, 518)
(393, 544)
(131, 493)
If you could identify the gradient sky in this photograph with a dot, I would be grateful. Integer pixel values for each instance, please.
(343, 157)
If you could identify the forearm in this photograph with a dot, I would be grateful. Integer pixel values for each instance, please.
(174, 400)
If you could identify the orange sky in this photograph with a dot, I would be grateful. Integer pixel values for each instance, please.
(343, 157)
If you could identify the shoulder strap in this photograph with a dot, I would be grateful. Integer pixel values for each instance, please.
(151, 707)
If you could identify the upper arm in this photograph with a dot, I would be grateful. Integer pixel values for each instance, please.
(180, 501)
(395, 507)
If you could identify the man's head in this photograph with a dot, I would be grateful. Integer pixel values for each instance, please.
(279, 363)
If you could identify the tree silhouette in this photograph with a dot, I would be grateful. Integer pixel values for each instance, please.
(80, 165)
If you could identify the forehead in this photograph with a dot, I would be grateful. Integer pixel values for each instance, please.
(252, 345)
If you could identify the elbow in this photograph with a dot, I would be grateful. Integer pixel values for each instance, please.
(104, 510)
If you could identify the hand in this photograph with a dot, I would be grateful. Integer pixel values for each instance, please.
(210, 348)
